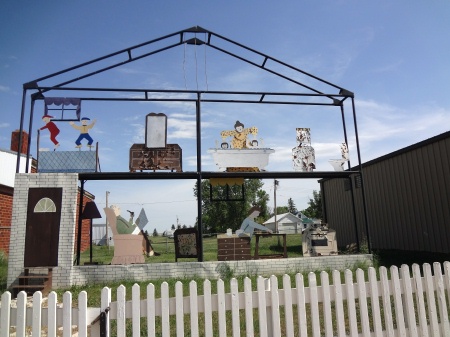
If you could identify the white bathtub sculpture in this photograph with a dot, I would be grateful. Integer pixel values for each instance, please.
(243, 152)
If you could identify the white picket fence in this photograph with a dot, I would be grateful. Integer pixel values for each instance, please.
(410, 303)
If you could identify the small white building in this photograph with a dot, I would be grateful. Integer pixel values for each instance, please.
(289, 223)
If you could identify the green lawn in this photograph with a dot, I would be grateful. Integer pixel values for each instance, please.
(166, 248)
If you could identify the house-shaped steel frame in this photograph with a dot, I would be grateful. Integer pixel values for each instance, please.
(307, 95)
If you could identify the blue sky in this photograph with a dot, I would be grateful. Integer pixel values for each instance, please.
(393, 55)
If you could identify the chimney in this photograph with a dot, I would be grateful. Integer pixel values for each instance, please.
(15, 141)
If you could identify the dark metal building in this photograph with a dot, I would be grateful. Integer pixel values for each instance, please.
(407, 199)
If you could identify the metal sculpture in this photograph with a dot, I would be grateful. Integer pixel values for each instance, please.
(84, 131)
(303, 155)
(52, 128)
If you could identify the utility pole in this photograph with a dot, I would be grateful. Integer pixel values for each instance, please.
(275, 184)
(106, 235)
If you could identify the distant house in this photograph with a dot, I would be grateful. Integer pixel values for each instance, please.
(288, 223)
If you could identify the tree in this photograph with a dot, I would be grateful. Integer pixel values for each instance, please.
(217, 216)
(155, 232)
(291, 206)
(315, 206)
(173, 227)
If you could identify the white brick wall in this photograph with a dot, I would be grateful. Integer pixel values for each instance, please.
(82, 275)
(24, 181)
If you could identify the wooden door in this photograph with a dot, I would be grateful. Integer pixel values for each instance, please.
(42, 227)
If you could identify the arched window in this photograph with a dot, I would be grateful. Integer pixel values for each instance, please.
(45, 205)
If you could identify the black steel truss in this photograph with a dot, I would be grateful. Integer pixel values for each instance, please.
(197, 36)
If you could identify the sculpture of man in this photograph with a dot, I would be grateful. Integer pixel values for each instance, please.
(84, 131)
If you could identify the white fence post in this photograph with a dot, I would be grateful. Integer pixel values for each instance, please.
(5, 314)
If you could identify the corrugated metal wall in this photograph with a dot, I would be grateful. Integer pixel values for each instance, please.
(408, 199)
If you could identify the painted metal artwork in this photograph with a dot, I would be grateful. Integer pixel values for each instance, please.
(67, 161)
(155, 154)
(143, 158)
(52, 128)
(319, 240)
(338, 164)
(249, 225)
(239, 136)
(128, 248)
(84, 131)
(303, 155)
(240, 153)
(156, 130)
(65, 107)
(186, 242)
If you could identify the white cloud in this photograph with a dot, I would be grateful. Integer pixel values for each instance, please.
(4, 88)
(4, 125)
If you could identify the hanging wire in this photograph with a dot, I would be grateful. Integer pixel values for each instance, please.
(184, 66)
(206, 75)
(196, 65)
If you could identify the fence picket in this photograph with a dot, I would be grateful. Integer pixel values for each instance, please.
(121, 311)
(165, 310)
(248, 307)
(362, 298)
(21, 314)
(208, 308)
(301, 307)
(386, 295)
(179, 308)
(82, 314)
(339, 305)
(235, 321)
(104, 306)
(151, 310)
(326, 300)
(351, 306)
(408, 301)
(375, 303)
(440, 293)
(314, 302)
(193, 308)
(431, 301)
(421, 312)
(37, 314)
(397, 292)
(51, 324)
(262, 314)
(67, 314)
(5, 314)
(221, 308)
(275, 308)
(136, 309)
(288, 312)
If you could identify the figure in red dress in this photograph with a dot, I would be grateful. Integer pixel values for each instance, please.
(52, 128)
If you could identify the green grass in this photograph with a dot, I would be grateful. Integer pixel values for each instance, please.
(3, 271)
(166, 247)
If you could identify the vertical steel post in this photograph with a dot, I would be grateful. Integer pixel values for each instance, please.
(366, 218)
(22, 115)
(80, 221)
(199, 179)
(30, 131)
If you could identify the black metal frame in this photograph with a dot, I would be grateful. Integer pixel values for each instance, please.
(312, 97)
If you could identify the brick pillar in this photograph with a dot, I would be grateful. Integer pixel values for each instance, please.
(15, 141)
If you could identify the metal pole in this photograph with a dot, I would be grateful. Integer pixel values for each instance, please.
(30, 131)
(107, 237)
(366, 219)
(80, 223)
(199, 180)
(22, 115)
